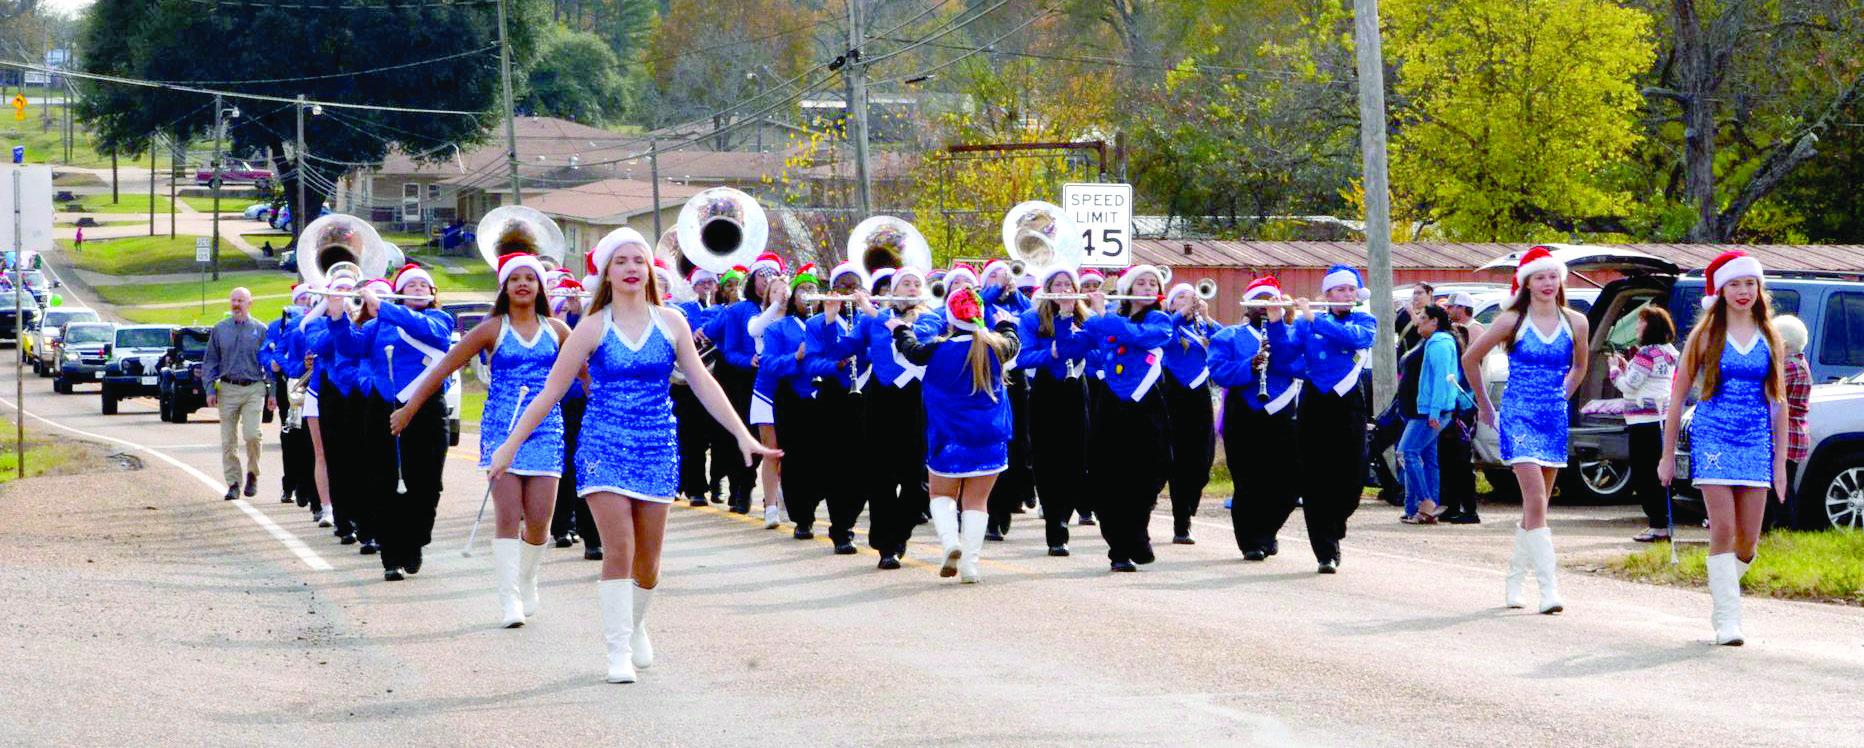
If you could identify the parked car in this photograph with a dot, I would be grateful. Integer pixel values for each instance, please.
(37, 288)
(179, 389)
(1830, 486)
(1831, 305)
(258, 212)
(236, 171)
(40, 346)
(81, 354)
(132, 363)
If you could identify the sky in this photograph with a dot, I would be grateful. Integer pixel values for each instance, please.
(66, 6)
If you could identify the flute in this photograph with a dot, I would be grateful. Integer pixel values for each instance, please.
(1284, 304)
(850, 299)
(382, 296)
(1046, 296)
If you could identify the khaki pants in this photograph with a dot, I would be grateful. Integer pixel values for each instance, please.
(240, 409)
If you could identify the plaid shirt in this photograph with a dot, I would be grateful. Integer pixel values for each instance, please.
(1798, 391)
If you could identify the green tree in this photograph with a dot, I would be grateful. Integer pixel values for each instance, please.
(420, 56)
(1512, 114)
(577, 77)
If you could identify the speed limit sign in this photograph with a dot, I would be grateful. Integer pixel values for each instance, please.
(1103, 213)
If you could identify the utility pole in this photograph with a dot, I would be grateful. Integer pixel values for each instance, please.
(214, 179)
(298, 212)
(653, 173)
(19, 316)
(152, 184)
(1378, 197)
(856, 72)
(511, 126)
(174, 155)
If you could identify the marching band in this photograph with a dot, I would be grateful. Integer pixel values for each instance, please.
(696, 366)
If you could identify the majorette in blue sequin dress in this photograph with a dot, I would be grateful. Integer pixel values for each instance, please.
(1533, 416)
(630, 440)
(1731, 434)
(518, 363)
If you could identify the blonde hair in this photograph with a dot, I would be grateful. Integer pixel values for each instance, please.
(605, 291)
(985, 344)
(1706, 342)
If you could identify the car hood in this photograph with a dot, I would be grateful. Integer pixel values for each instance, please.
(1588, 258)
(1829, 393)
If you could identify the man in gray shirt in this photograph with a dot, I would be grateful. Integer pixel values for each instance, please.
(236, 384)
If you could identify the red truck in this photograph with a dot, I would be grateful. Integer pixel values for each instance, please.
(235, 171)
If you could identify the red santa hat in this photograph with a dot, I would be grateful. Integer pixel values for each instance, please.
(412, 272)
(767, 261)
(563, 283)
(1180, 289)
(605, 249)
(510, 263)
(1265, 287)
(883, 274)
(1049, 274)
(380, 285)
(701, 275)
(303, 292)
(1533, 261)
(1132, 274)
(1725, 267)
(961, 272)
(993, 267)
(846, 268)
(1091, 274)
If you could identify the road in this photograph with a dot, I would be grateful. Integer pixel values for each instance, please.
(141, 607)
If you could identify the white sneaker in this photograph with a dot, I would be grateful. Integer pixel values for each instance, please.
(323, 519)
(772, 518)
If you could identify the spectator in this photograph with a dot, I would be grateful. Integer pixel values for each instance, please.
(1428, 397)
(78, 243)
(1644, 381)
(1455, 463)
(236, 385)
(1798, 443)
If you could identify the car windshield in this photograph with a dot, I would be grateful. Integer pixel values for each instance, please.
(142, 337)
(88, 334)
(194, 344)
(56, 318)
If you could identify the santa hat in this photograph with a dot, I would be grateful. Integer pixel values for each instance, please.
(666, 277)
(563, 282)
(1725, 267)
(1132, 274)
(846, 268)
(964, 309)
(992, 267)
(605, 250)
(804, 274)
(510, 263)
(1171, 296)
(1345, 275)
(1091, 274)
(1048, 276)
(304, 291)
(960, 272)
(766, 261)
(1027, 282)
(411, 272)
(1265, 287)
(1533, 261)
(880, 276)
(701, 275)
(380, 285)
(909, 271)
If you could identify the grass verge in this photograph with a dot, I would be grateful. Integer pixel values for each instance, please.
(260, 282)
(472, 402)
(279, 241)
(43, 456)
(76, 179)
(46, 144)
(1826, 566)
(127, 202)
(142, 255)
(227, 204)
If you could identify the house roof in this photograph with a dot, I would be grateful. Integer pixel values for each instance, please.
(1213, 253)
(610, 201)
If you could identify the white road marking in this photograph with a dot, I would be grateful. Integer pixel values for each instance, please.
(291, 542)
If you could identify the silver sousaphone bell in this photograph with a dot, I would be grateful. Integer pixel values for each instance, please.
(515, 228)
(883, 242)
(1041, 236)
(721, 227)
(337, 238)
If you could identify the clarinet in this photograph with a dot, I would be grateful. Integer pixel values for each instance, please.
(1262, 371)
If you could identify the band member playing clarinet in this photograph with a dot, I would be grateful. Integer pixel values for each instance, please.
(1187, 396)
(1546, 362)
(1053, 357)
(1333, 413)
(1258, 363)
(627, 465)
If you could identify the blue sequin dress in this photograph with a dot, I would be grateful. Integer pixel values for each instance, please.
(1533, 414)
(1731, 434)
(630, 439)
(518, 363)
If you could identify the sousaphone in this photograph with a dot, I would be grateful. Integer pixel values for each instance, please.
(721, 227)
(1040, 235)
(887, 242)
(515, 228)
(340, 240)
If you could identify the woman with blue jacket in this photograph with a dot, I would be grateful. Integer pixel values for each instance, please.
(1053, 359)
(337, 410)
(1187, 397)
(781, 402)
(1427, 396)
(832, 366)
(1133, 420)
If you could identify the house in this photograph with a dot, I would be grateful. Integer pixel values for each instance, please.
(588, 212)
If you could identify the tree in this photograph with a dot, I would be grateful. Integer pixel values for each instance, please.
(1512, 112)
(708, 56)
(1766, 79)
(578, 78)
(420, 56)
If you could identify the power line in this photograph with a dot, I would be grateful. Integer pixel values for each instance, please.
(371, 71)
(336, 5)
(228, 94)
(742, 42)
(938, 35)
(1112, 62)
(961, 58)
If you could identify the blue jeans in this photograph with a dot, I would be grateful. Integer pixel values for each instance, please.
(1419, 448)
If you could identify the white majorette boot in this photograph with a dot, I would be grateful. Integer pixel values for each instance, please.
(643, 649)
(944, 510)
(1725, 571)
(617, 597)
(531, 557)
(971, 540)
(1540, 552)
(1517, 570)
(507, 557)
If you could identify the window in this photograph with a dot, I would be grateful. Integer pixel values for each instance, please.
(1843, 336)
(433, 192)
(142, 337)
(1686, 305)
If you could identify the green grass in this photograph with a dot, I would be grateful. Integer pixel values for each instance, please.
(1826, 566)
(149, 254)
(261, 282)
(42, 457)
(472, 401)
(128, 202)
(228, 203)
(408, 241)
(76, 179)
(47, 145)
(216, 310)
(479, 278)
(279, 241)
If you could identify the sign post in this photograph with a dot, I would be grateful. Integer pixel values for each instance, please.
(1103, 212)
(203, 256)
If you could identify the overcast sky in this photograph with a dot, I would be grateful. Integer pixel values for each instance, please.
(66, 6)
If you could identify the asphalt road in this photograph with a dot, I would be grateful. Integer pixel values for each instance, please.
(141, 607)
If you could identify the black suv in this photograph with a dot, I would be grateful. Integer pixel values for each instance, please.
(179, 382)
(133, 363)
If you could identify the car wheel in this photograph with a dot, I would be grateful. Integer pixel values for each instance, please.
(61, 386)
(1835, 494)
(110, 401)
(1597, 481)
